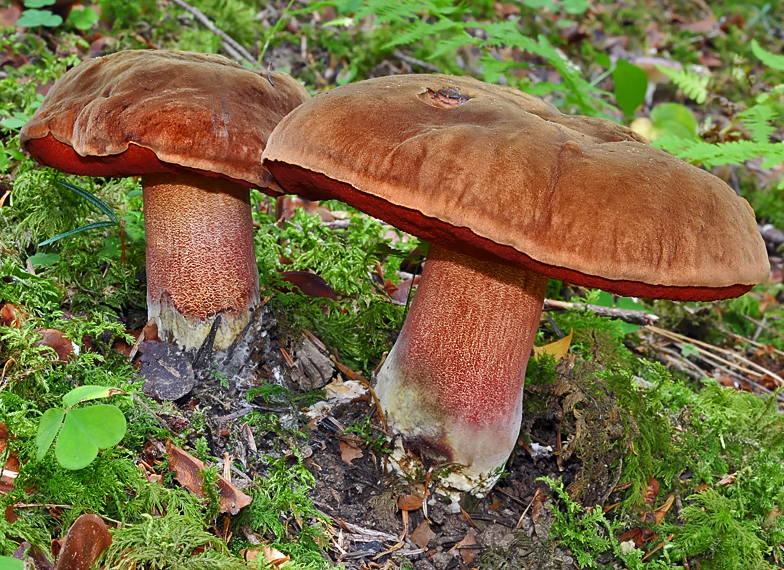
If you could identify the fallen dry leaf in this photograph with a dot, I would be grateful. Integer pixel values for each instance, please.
(422, 535)
(9, 16)
(349, 452)
(309, 284)
(57, 340)
(12, 316)
(410, 503)
(272, 556)
(188, 472)
(10, 470)
(557, 349)
(468, 554)
(87, 538)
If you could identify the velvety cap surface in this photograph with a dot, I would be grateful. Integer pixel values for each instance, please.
(139, 112)
(493, 172)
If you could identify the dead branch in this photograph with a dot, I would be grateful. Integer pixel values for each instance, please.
(232, 46)
(626, 315)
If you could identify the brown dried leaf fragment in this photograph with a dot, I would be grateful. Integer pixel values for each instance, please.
(349, 452)
(422, 535)
(87, 538)
(188, 472)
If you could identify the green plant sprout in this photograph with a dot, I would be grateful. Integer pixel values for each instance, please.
(84, 430)
(32, 17)
(82, 18)
(113, 220)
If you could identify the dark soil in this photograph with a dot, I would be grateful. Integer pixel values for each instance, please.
(508, 526)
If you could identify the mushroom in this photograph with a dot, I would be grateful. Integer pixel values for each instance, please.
(194, 127)
(509, 192)
(651, 66)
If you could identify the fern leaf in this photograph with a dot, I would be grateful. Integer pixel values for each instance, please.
(770, 59)
(757, 120)
(421, 28)
(735, 152)
(695, 86)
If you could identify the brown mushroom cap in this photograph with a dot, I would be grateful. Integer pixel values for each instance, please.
(198, 111)
(194, 127)
(501, 175)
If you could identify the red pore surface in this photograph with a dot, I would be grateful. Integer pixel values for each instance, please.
(136, 161)
(315, 186)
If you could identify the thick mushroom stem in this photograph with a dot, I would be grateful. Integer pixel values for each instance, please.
(200, 257)
(452, 386)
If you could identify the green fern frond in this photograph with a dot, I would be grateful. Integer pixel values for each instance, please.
(770, 59)
(420, 28)
(694, 85)
(734, 152)
(757, 120)
(386, 12)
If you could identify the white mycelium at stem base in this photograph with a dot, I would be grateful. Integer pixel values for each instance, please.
(452, 386)
(200, 257)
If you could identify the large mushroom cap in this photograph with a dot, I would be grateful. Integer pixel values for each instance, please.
(198, 111)
(501, 175)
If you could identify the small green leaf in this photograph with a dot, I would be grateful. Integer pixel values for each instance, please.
(687, 349)
(47, 430)
(82, 19)
(575, 7)
(16, 122)
(44, 259)
(85, 393)
(38, 3)
(9, 563)
(85, 431)
(766, 57)
(603, 59)
(33, 18)
(630, 86)
(674, 119)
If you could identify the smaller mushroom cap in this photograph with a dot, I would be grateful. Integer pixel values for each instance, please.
(501, 175)
(145, 112)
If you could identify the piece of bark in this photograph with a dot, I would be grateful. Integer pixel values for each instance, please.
(315, 368)
(169, 374)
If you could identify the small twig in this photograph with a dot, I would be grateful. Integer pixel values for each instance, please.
(139, 340)
(153, 414)
(233, 416)
(414, 61)
(41, 505)
(626, 315)
(537, 494)
(338, 224)
(269, 75)
(234, 48)
(681, 364)
(754, 343)
(763, 326)
(697, 343)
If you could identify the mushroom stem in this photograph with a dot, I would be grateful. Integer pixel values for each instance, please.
(452, 386)
(200, 257)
